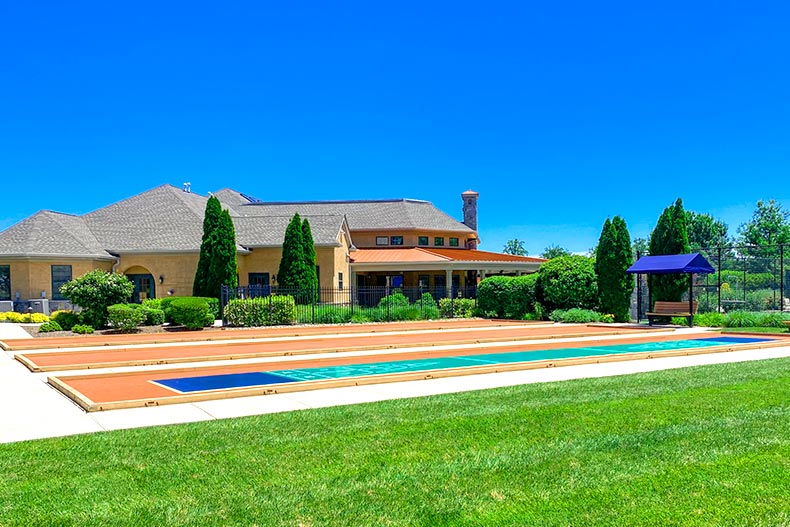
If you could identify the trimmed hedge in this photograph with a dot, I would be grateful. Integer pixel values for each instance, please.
(507, 296)
(273, 310)
(124, 317)
(568, 282)
(191, 312)
(23, 318)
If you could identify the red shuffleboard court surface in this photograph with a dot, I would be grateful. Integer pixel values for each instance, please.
(329, 342)
(220, 334)
(144, 387)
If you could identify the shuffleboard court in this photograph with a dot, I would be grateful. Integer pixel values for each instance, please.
(301, 345)
(243, 380)
(221, 334)
(152, 387)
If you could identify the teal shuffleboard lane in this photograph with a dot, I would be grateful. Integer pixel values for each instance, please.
(296, 375)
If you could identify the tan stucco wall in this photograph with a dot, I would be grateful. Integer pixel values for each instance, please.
(260, 260)
(367, 239)
(177, 271)
(31, 277)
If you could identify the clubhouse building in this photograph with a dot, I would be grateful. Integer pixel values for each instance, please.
(154, 239)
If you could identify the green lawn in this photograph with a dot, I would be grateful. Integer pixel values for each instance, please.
(754, 330)
(698, 446)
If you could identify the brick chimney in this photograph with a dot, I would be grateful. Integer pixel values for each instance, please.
(470, 215)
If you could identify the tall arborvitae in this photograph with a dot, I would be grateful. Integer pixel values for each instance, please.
(612, 259)
(210, 222)
(223, 269)
(670, 237)
(310, 282)
(292, 264)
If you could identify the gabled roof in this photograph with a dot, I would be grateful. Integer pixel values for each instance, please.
(403, 214)
(48, 233)
(672, 264)
(269, 231)
(164, 218)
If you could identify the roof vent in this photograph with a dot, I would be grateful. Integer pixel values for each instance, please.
(187, 187)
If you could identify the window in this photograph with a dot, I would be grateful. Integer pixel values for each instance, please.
(438, 241)
(5, 282)
(340, 281)
(424, 280)
(60, 275)
(382, 240)
(422, 240)
(396, 240)
(453, 242)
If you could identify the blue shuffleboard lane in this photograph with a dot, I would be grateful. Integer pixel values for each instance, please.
(737, 340)
(221, 382)
(345, 371)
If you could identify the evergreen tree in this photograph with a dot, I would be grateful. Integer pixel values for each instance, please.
(310, 282)
(612, 259)
(210, 222)
(223, 269)
(670, 236)
(292, 268)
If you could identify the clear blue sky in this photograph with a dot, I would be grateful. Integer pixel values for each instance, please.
(560, 114)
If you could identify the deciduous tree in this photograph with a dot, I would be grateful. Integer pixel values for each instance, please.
(515, 247)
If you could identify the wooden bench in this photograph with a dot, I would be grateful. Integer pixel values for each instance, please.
(672, 309)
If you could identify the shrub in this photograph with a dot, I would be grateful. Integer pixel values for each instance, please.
(456, 307)
(50, 326)
(153, 317)
(82, 329)
(360, 317)
(152, 303)
(331, 315)
(66, 319)
(283, 310)
(567, 282)
(771, 320)
(574, 316)
(124, 318)
(427, 306)
(262, 311)
(95, 291)
(493, 294)
(396, 299)
(608, 318)
(190, 312)
(709, 320)
(38, 318)
(520, 299)
(16, 318)
(741, 319)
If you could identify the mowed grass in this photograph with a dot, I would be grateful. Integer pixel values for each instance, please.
(698, 446)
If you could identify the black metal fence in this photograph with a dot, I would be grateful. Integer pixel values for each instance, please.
(360, 304)
(747, 278)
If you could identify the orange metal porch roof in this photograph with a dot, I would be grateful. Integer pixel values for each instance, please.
(424, 254)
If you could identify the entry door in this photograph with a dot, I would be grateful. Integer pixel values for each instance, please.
(143, 287)
(259, 284)
(440, 285)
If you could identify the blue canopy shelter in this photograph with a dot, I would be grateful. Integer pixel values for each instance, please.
(673, 264)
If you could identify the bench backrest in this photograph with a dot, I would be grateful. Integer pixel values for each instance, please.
(674, 307)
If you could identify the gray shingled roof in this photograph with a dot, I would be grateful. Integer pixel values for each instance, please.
(162, 219)
(269, 231)
(48, 233)
(406, 214)
(166, 219)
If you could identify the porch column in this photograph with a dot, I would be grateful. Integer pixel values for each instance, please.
(449, 281)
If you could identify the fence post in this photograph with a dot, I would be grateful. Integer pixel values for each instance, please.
(781, 277)
(312, 305)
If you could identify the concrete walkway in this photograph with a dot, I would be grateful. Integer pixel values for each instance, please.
(31, 409)
(10, 331)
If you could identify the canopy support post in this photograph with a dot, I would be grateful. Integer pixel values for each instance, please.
(691, 300)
